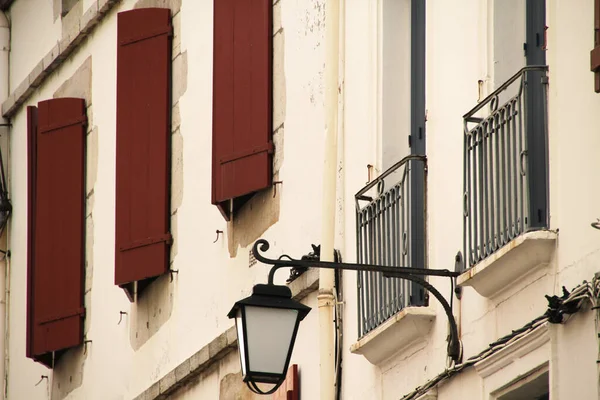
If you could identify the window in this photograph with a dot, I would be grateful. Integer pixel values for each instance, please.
(142, 238)
(390, 216)
(55, 227)
(242, 149)
(533, 387)
(394, 72)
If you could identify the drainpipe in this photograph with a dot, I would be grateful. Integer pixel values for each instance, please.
(4, 263)
(326, 299)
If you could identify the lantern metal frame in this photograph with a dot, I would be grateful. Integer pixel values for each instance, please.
(409, 273)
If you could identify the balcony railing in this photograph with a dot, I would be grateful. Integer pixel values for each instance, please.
(506, 164)
(390, 231)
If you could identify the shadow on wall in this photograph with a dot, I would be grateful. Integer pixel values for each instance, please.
(151, 310)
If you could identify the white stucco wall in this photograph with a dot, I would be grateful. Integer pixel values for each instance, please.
(38, 41)
(212, 276)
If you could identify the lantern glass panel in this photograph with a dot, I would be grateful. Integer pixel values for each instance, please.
(241, 344)
(269, 334)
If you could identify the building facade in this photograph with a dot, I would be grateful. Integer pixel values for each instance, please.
(147, 144)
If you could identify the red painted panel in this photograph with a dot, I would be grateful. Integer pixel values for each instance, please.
(242, 98)
(143, 144)
(290, 388)
(57, 212)
(32, 120)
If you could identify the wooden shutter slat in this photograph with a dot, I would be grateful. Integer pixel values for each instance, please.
(147, 242)
(166, 30)
(63, 124)
(79, 312)
(142, 237)
(56, 281)
(242, 98)
(268, 147)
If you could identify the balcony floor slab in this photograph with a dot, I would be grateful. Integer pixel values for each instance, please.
(408, 326)
(513, 261)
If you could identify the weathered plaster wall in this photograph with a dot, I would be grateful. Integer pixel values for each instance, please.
(173, 319)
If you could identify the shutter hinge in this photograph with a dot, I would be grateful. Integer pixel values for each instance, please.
(525, 49)
(409, 140)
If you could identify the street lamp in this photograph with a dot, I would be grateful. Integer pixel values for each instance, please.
(267, 321)
(266, 324)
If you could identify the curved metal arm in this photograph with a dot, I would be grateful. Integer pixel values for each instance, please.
(262, 245)
(408, 273)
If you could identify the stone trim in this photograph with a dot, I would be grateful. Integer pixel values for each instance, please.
(55, 57)
(514, 351)
(222, 345)
(218, 348)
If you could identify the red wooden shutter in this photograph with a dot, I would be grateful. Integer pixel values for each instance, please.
(595, 55)
(143, 145)
(56, 206)
(242, 99)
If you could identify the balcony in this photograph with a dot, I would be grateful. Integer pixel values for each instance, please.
(506, 183)
(390, 221)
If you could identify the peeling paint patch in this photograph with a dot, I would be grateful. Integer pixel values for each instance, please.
(314, 21)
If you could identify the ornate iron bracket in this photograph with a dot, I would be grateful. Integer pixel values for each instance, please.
(408, 273)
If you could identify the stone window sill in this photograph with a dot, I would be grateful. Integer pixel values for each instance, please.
(510, 263)
(408, 326)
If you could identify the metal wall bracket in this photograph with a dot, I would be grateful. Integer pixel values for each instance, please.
(408, 273)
